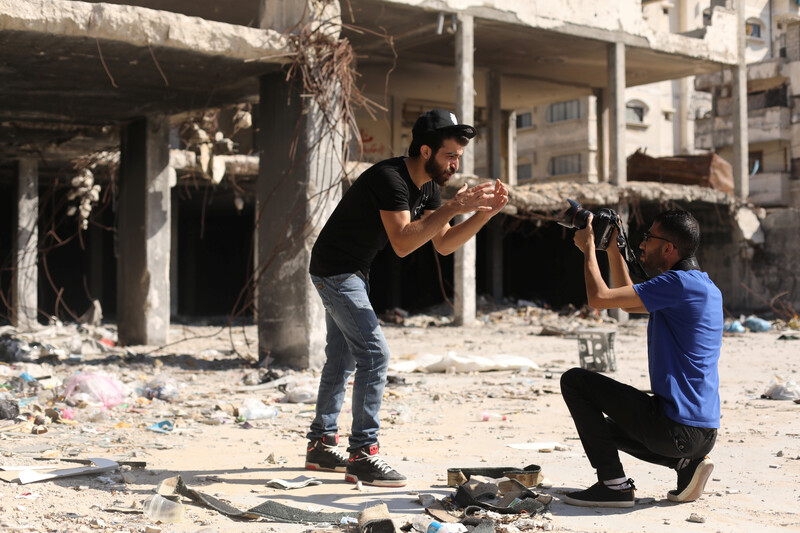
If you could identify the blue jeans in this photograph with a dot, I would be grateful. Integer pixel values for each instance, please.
(354, 342)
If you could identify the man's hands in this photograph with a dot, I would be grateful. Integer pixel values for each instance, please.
(483, 198)
(584, 238)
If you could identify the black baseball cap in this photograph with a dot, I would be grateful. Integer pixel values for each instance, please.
(440, 120)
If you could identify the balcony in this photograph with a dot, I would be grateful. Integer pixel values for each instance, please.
(770, 189)
(763, 125)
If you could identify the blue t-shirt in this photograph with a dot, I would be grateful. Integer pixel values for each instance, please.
(684, 337)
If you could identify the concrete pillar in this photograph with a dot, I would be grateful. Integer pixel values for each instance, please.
(143, 233)
(173, 258)
(624, 213)
(616, 89)
(399, 145)
(685, 91)
(495, 153)
(25, 248)
(603, 119)
(741, 183)
(299, 185)
(511, 147)
(464, 261)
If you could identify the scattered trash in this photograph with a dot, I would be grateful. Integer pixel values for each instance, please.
(165, 426)
(254, 409)
(163, 386)
(9, 409)
(778, 389)
(274, 511)
(163, 510)
(753, 323)
(694, 517)
(530, 476)
(301, 391)
(733, 327)
(454, 362)
(788, 337)
(296, 483)
(101, 466)
(487, 416)
(376, 519)
(94, 389)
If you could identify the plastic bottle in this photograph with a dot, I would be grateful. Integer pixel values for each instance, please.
(163, 510)
(486, 416)
(420, 523)
(437, 527)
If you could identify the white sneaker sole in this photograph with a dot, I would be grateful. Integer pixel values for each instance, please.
(377, 482)
(696, 486)
(584, 503)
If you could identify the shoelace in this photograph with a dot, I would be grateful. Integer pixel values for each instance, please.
(378, 463)
(335, 451)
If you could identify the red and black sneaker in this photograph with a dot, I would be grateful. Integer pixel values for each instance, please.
(366, 466)
(323, 454)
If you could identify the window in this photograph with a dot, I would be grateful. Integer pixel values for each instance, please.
(523, 120)
(635, 112)
(755, 162)
(524, 171)
(564, 111)
(564, 164)
(753, 29)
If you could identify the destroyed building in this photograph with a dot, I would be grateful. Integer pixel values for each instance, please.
(175, 163)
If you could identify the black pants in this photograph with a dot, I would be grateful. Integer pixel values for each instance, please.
(612, 417)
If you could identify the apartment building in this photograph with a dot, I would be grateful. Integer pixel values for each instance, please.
(773, 87)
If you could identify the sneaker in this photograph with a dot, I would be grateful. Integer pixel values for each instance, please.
(323, 454)
(600, 495)
(366, 466)
(692, 480)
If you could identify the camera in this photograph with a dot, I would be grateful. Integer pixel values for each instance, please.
(603, 223)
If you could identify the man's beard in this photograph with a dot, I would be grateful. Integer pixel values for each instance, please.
(439, 174)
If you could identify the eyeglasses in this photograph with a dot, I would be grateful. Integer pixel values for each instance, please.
(648, 235)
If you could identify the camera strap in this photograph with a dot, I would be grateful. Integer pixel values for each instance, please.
(687, 263)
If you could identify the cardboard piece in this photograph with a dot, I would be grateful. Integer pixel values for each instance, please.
(101, 466)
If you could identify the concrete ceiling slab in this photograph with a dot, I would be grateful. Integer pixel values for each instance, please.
(546, 60)
(78, 63)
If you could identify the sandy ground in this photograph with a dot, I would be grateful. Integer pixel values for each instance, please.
(431, 422)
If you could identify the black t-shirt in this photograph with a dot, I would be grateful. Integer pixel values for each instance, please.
(354, 233)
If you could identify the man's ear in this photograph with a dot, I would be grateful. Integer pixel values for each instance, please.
(425, 151)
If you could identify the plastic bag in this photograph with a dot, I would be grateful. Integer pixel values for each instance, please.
(163, 386)
(94, 389)
(753, 323)
(778, 389)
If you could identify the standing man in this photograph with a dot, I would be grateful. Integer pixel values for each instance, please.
(396, 200)
(677, 425)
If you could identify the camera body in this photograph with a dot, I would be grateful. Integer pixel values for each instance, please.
(603, 223)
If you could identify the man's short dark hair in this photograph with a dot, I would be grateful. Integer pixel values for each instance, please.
(682, 229)
(435, 139)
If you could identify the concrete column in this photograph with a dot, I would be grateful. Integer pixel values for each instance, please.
(603, 118)
(624, 213)
(399, 146)
(25, 248)
(143, 233)
(495, 153)
(616, 89)
(299, 185)
(173, 258)
(741, 184)
(465, 83)
(511, 148)
(464, 260)
(685, 92)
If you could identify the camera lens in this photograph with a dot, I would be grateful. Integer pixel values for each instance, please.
(575, 216)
